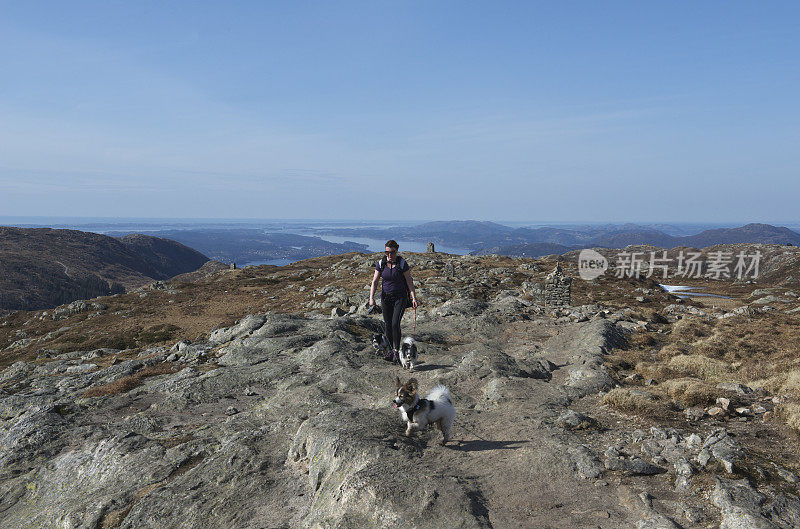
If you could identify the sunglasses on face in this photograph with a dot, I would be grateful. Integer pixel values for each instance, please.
(391, 252)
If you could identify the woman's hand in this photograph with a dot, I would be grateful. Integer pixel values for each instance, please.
(371, 301)
(414, 302)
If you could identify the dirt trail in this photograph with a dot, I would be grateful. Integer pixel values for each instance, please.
(507, 450)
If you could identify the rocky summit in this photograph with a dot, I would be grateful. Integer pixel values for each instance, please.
(576, 415)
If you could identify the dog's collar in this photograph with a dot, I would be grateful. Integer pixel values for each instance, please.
(415, 408)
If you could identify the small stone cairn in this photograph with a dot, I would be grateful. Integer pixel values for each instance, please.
(431, 248)
(557, 288)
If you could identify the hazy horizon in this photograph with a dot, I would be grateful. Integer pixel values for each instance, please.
(312, 226)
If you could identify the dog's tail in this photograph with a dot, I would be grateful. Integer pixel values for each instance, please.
(440, 393)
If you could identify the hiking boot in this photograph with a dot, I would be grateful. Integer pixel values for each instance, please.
(396, 356)
(389, 356)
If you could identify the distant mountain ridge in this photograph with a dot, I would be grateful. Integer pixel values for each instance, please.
(490, 237)
(44, 267)
(750, 233)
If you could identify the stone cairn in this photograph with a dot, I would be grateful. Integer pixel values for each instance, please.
(557, 288)
(233, 266)
(430, 248)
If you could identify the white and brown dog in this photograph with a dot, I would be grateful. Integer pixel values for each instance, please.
(437, 408)
(408, 353)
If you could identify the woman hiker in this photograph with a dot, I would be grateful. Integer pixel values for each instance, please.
(396, 286)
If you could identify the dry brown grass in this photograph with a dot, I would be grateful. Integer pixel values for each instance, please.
(690, 391)
(762, 351)
(761, 347)
(770, 384)
(657, 371)
(673, 349)
(789, 412)
(701, 367)
(691, 329)
(125, 384)
(626, 400)
(641, 340)
(792, 383)
(618, 361)
(787, 384)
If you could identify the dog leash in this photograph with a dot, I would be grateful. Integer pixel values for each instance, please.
(414, 334)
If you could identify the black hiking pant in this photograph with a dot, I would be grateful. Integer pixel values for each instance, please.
(393, 307)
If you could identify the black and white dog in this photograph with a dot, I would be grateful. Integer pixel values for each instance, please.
(408, 353)
(381, 344)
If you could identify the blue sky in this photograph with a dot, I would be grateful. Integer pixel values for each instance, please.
(560, 111)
